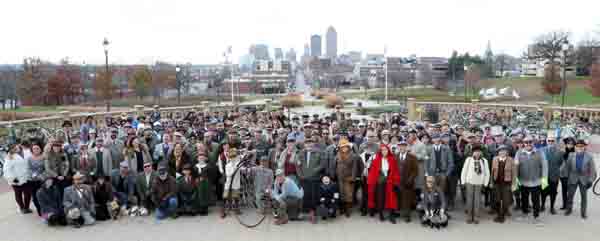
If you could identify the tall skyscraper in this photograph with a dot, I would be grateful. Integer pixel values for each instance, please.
(291, 55)
(306, 50)
(260, 51)
(278, 53)
(315, 45)
(331, 39)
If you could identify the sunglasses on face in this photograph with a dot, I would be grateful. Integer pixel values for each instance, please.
(550, 140)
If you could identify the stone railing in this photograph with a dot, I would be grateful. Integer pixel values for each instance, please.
(77, 119)
(416, 109)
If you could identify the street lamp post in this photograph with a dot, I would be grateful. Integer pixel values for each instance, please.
(565, 49)
(178, 84)
(108, 92)
(466, 82)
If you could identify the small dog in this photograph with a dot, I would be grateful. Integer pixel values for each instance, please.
(114, 211)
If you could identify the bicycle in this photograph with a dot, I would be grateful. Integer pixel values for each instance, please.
(596, 187)
(248, 212)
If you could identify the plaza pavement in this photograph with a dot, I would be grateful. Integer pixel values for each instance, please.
(17, 227)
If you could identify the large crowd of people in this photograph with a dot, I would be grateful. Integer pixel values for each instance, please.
(314, 168)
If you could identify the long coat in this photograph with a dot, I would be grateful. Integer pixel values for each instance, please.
(392, 181)
(107, 161)
(409, 170)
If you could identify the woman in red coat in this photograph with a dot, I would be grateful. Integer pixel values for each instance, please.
(382, 183)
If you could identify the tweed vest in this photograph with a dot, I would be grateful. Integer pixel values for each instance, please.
(508, 169)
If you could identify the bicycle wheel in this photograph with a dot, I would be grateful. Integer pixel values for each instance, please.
(596, 187)
(249, 214)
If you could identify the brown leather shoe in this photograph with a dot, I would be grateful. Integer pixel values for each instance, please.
(281, 221)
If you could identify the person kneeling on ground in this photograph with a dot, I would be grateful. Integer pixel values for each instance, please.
(78, 202)
(288, 196)
(103, 195)
(433, 205)
(329, 198)
(51, 204)
(191, 200)
(164, 194)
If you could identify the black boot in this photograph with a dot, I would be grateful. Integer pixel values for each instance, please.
(381, 217)
(392, 219)
(568, 212)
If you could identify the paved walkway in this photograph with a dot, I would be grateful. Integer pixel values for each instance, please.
(14, 226)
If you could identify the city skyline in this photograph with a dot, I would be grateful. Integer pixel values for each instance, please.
(181, 31)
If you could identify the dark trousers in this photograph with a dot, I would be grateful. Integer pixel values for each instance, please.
(365, 195)
(503, 198)
(517, 196)
(551, 191)
(35, 186)
(311, 194)
(452, 184)
(583, 189)
(564, 190)
(380, 197)
(23, 195)
(535, 193)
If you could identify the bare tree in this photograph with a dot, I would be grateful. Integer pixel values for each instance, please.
(548, 46)
(583, 53)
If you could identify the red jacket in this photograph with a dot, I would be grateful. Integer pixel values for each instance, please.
(393, 179)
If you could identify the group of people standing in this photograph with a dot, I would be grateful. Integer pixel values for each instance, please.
(317, 167)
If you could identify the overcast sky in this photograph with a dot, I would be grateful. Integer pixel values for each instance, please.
(198, 31)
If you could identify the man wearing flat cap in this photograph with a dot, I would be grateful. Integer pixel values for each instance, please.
(164, 193)
(582, 173)
(440, 163)
(533, 173)
(123, 185)
(78, 202)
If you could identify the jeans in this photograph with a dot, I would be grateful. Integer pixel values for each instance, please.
(583, 189)
(289, 206)
(535, 193)
(121, 198)
(166, 208)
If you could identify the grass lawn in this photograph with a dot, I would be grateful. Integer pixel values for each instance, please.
(25, 109)
(578, 95)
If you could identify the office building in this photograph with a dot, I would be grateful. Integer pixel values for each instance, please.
(331, 38)
(315, 45)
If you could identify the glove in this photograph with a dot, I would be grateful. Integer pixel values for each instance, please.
(514, 187)
(442, 211)
(397, 189)
(544, 183)
(322, 199)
